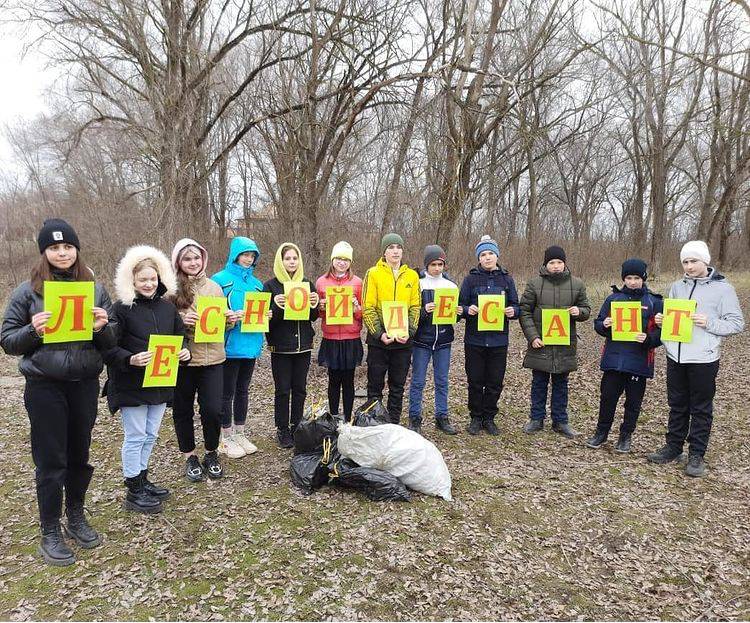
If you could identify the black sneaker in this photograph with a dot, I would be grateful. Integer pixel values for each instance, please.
(53, 547)
(491, 427)
(284, 438)
(444, 425)
(212, 466)
(597, 440)
(415, 425)
(194, 470)
(80, 530)
(475, 426)
(564, 429)
(666, 454)
(696, 466)
(623, 444)
(533, 426)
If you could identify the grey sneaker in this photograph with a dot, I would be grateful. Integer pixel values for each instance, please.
(665, 454)
(696, 466)
(533, 426)
(564, 429)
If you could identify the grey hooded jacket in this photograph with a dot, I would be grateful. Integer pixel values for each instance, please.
(716, 299)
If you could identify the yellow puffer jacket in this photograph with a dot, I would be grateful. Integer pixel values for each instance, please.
(380, 285)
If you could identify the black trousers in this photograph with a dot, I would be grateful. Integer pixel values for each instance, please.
(237, 376)
(395, 363)
(341, 382)
(207, 382)
(612, 386)
(690, 394)
(485, 373)
(62, 416)
(290, 378)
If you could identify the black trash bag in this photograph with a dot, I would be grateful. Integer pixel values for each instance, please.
(371, 413)
(310, 433)
(376, 484)
(307, 472)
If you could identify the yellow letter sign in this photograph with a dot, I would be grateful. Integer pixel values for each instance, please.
(71, 304)
(556, 327)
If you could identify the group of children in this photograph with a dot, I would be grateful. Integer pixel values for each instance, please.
(158, 295)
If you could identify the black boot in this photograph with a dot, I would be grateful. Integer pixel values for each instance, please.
(623, 443)
(475, 426)
(79, 529)
(443, 424)
(53, 547)
(597, 440)
(491, 427)
(415, 425)
(533, 426)
(153, 490)
(138, 500)
(284, 438)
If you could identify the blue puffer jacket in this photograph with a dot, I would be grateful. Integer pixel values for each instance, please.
(480, 281)
(428, 335)
(235, 281)
(631, 357)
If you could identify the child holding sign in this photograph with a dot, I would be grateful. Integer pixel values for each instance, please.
(290, 341)
(204, 373)
(341, 322)
(628, 355)
(550, 306)
(488, 299)
(432, 340)
(62, 386)
(390, 281)
(143, 280)
(243, 348)
(692, 365)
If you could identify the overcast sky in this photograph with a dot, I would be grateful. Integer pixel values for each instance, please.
(23, 82)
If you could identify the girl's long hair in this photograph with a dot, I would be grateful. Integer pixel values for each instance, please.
(185, 294)
(43, 271)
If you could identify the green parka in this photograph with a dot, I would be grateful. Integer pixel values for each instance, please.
(552, 291)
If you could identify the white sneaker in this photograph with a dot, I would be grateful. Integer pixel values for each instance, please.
(231, 448)
(248, 446)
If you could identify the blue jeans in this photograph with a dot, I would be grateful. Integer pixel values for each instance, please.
(420, 360)
(141, 425)
(559, 406)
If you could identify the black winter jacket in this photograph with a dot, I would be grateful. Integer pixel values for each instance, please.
(71, 361)
(288, 336)
(135, 324)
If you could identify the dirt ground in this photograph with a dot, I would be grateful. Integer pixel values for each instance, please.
(540, 527)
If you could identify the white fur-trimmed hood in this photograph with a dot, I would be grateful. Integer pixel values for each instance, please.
(124, 275)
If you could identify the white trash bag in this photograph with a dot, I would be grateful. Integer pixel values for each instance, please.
(407, 455)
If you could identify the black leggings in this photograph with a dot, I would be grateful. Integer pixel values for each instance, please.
(237, 376)
(341, 382)
(290, 380)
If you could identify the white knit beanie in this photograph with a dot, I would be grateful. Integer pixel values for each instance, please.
(696, 250)
(343, 250)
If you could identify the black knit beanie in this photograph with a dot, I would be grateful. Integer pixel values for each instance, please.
(55, 231)
(554, 253)
(634, 266)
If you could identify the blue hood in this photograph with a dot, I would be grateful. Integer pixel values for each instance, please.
(240, 245)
